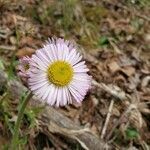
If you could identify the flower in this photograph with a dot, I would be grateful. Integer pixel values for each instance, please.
(57, 75)
(23, 66)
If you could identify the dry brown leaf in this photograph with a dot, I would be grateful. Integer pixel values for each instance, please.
(29, 41)
(25, 51)
(129, 70)
(113, 66)
(136, 119)
(145, 81)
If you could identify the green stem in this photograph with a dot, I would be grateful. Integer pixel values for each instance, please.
(14, 141)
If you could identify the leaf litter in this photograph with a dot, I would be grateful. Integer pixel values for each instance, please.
(115, 40)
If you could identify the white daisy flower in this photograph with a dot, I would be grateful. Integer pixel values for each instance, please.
(57, 75)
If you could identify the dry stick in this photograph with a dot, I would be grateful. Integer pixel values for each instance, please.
(131, 106)
(116, 92)
(113, 90)
(107, 118)
(7, 47)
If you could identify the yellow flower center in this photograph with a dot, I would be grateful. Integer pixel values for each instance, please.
(26, 67)
(60, 73)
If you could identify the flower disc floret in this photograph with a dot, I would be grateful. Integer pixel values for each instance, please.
(60, 73)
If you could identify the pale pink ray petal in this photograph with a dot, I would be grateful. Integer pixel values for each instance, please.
(59, 97)
(71, 55)
(37, 86)
(55, 96)
(76, 96)
(37, 77)
(79, 89)
(38, 61)
(69, 97)
(34, 74)
(66, 53)
(32, 82)
(64, 98)
(80, 64)
(54, 51)
(40, 91)
(76, 59)
(46, 93)
(60, 51)
(37, 66)
(78, 70)
(48, 53)
(52, 97)
(40, 53)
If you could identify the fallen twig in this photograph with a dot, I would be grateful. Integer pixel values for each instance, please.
(6, 47)
(131, 106)
(107, 118)
(57, 123)
(111, 89)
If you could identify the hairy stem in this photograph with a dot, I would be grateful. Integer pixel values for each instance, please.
(14, 141)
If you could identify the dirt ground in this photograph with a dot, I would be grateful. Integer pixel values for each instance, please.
(114, 38)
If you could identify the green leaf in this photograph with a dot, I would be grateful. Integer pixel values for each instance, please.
(131, 133)
(11, 69)
(23, 140)
(31, 114)
(103, 41)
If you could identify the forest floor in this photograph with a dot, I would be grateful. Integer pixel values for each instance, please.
(114, 37)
